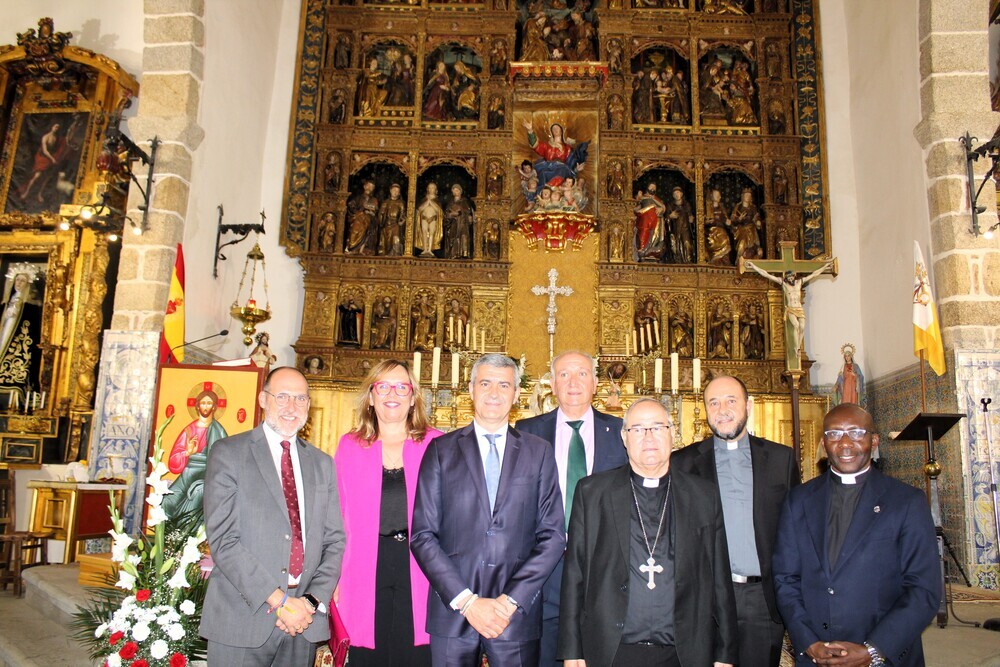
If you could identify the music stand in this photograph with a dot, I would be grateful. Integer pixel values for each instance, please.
(929, 427)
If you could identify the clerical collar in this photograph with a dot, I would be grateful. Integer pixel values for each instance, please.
(649, 482)
(730, 445)
(851, 478)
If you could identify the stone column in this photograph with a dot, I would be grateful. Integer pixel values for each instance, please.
(955, 99)
(169, 96)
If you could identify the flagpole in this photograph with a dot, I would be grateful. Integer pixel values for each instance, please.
(923, 385)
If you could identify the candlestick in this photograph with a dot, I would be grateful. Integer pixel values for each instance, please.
(675, 417)
(436, 367)
(454, 369)
(674, 369)
(656, 331)
(658, 375)
(696, 374)
(416, 365)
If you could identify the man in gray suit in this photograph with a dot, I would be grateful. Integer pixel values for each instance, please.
(585, 441)
(272, 513)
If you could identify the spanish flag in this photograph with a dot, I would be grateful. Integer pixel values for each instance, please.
(926, 330)
(173, 321)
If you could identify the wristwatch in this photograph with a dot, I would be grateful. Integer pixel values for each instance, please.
(316, 604)
(877, 659)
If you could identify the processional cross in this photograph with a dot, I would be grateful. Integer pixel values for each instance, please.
(792, 276)
(552, 291)
(651, 568)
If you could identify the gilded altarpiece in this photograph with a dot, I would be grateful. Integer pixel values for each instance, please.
(58, 101)
(445, 156)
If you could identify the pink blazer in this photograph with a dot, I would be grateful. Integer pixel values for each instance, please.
(359, 479)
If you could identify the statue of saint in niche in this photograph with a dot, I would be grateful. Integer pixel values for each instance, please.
(682, 334)
(371, 90)
(649, 210)
(746, 222)
(680, 219)
(459, 220)
(719, 245)
(430, 222)
(384, 324)
(391, 221)
(350, 323)
(720, 332)
(423, 317)
(361, 228)
(752, 332)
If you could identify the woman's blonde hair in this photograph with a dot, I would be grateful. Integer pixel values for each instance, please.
(365, 419)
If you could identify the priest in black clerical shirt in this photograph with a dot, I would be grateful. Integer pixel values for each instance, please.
(646, 579)
(856, 570)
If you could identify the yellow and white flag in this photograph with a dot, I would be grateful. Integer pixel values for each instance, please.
(926, 330)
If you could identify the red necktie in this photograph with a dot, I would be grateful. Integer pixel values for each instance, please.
(292, 500)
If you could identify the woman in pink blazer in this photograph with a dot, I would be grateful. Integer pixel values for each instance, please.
(382, 595)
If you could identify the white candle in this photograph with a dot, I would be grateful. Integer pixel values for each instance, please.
(455, 367)
(416, 365)
(626, 345)
(436, 367)
(15, 401)
(635, 348)
(43, 400)
(696, 374)
(482, 340)
(674, 368)
(658, 375)
(649, 338)
(468, 330)
(642, 340)
(656, 331)
(644, 375)
(451, 327)
(471, 343)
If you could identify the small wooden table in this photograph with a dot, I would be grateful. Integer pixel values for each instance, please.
(73, 511)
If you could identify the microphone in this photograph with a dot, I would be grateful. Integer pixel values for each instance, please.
(224, 332)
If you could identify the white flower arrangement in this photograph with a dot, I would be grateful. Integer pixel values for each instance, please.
(155, 623)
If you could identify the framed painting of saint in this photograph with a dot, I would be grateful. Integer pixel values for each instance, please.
(46, 163)
(204, 404)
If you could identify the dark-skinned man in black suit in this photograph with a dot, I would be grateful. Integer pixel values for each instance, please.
(752, 476)
(581, 435)
(646, 575)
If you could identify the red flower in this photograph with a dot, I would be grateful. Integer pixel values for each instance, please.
(128, 650)
(178, 660)
(141, 662)
(115, 637)
(142, 595)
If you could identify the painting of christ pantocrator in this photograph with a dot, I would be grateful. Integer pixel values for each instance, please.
(46, 162)
(551, 157)
(203, 404)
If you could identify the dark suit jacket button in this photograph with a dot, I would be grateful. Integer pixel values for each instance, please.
(284, 570)
(830, 591)
(826, 626)
(620, 625)
(624, 587)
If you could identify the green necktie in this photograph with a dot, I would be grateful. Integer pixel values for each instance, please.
(576, 465)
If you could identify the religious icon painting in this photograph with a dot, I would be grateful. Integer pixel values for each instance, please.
(451, 94)
(196, 406)
(46, 163)
(551, 153)
(385, 90)
(375, 222)
(661, 91)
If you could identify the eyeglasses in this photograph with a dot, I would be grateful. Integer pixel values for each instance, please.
(399, 388)
(641, 431)
(855, 434)
(282, 399)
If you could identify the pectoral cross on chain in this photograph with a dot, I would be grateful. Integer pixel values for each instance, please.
(651, 568)
(551, 291)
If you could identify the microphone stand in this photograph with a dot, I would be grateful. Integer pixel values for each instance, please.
(224, 332)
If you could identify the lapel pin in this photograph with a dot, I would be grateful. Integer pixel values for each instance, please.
(877, 509)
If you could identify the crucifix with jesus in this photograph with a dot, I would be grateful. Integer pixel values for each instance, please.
(792, 276)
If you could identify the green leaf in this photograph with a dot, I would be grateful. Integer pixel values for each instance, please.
(166, 566)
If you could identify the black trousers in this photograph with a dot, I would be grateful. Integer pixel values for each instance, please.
(760, 638)
(393, 613)
(646, 655)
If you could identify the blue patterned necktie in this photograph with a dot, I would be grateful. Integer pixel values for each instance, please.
(492, 469)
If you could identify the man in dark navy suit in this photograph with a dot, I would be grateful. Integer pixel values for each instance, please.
(591, 440)
(487, 529)
(856, 571)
